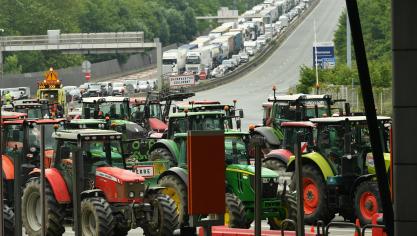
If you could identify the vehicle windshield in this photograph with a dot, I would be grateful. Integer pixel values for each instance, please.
(35, 136)
(193, 60)
(107, 153)
(115, 110)
(50, 95)
(134, 82)
(117, 85)
(169, 61)
(155, 110)
(200, 122)
(95, 86)
(34, 112)
(235, 149)
(311, 112)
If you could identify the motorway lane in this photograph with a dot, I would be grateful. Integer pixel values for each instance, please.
(282, 68)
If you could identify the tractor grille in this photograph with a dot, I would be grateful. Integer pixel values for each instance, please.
(269, 190)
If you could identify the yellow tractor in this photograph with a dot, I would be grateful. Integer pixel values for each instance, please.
(51, 89)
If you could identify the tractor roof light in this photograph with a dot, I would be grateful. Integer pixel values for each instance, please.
(56, 126)
(226, 108)
(251, 127)
(107, 118)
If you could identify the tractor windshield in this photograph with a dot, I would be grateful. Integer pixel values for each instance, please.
(204, 122)
(13, 140)
(155, 110)
(307, 138)
(116, 110)
(34, 112)
(107, 153)
(235, 150)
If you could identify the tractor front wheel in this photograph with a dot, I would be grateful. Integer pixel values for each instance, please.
(176, 189)
(8, 217)
(164, 218)
(31, 210)
(235, 216)
(289, 208)
(367, 201)
(162, 154)
(96, 217)
(315, 199)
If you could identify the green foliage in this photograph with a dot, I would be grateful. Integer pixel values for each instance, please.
(376, 27)
(173, 21)
(12, 65)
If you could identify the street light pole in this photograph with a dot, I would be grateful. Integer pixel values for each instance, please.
(1, 55)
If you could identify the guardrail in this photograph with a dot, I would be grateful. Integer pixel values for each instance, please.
(259, 59)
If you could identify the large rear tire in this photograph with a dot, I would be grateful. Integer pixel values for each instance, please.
(163, 154)
(315, 198)
(8, 217)
(176, 189)
(289, 206)
(367, 201)
(96, 217)
(235, 216)
(31, 210)
(166, 220)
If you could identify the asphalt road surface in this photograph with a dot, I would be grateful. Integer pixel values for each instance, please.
(282, 68)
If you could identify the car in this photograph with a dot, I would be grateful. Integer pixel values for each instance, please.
(244, 57)
(152, 83)
(219, 71)
(118, 88)
(143, 86)
(236, 58)
(133, 84)
(229, 64)
(94, 90)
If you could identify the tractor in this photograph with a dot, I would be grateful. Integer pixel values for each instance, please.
(168, 157)
(34, 108)
(21, 140)
(51, 89)
(338, 172)
(113, 200)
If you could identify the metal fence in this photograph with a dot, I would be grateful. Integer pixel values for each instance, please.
(382, 96)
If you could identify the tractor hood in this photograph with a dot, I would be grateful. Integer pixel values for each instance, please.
(248, 169)
(157, 125)
(118, 175)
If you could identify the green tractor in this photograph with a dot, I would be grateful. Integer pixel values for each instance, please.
(239, 172)
(339, 173)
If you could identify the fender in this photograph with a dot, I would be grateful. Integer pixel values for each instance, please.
(8, 167)
(168, 144)
(180, 172)
(316, 159)
(270, 135)
(57, 182)
(358, 181)
(283, 155)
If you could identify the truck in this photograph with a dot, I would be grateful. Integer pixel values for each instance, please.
(219, 31)
(173, 61)
(284, 20)
(51, 89)
(201, 41)
(237, 39)
(198, 59)
(216, 54)
(228, 42)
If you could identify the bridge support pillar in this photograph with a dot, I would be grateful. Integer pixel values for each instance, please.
(404, 48)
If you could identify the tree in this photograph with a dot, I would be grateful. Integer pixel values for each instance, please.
(191, 23)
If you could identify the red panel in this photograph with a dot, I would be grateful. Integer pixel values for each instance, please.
(59, 187)
(8, 167)
(224, 231)
(157, 125)
(121, 174)
(206, 179)
(281, 152)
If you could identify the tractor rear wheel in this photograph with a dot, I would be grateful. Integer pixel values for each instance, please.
(31, 210)
(165, 221)
(8, 217)
(176, 189)
(289, 206)
(367, 201)
(163, 154)
(96, 217)
(315, 199)
(235, 216)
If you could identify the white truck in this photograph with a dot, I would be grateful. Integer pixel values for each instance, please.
(173, 61)
(198, 59)
(216, 54)
(251, 47)
(201, 41)
(284, 20)
(219, 31)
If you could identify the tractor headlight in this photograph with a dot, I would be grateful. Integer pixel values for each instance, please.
(32, 149)
(131, 194)
(370, 160)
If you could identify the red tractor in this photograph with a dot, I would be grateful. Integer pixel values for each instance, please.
(113, 199)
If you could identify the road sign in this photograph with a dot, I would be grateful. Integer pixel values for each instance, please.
(51, 75)
(325, 55)
(86, 67)
(181, 81)
(87, 76)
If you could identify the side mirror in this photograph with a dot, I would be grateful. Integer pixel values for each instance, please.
(241, 115)
(174, 110)
(238, 124)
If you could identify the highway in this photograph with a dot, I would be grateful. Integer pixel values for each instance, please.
(282, 68)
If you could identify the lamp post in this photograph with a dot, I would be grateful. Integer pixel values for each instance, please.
(1, 55)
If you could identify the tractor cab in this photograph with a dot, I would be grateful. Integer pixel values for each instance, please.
(307, 131)
(147, 112)
(34, 108)
(116, 108)
(230, 111)
(184, 121)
